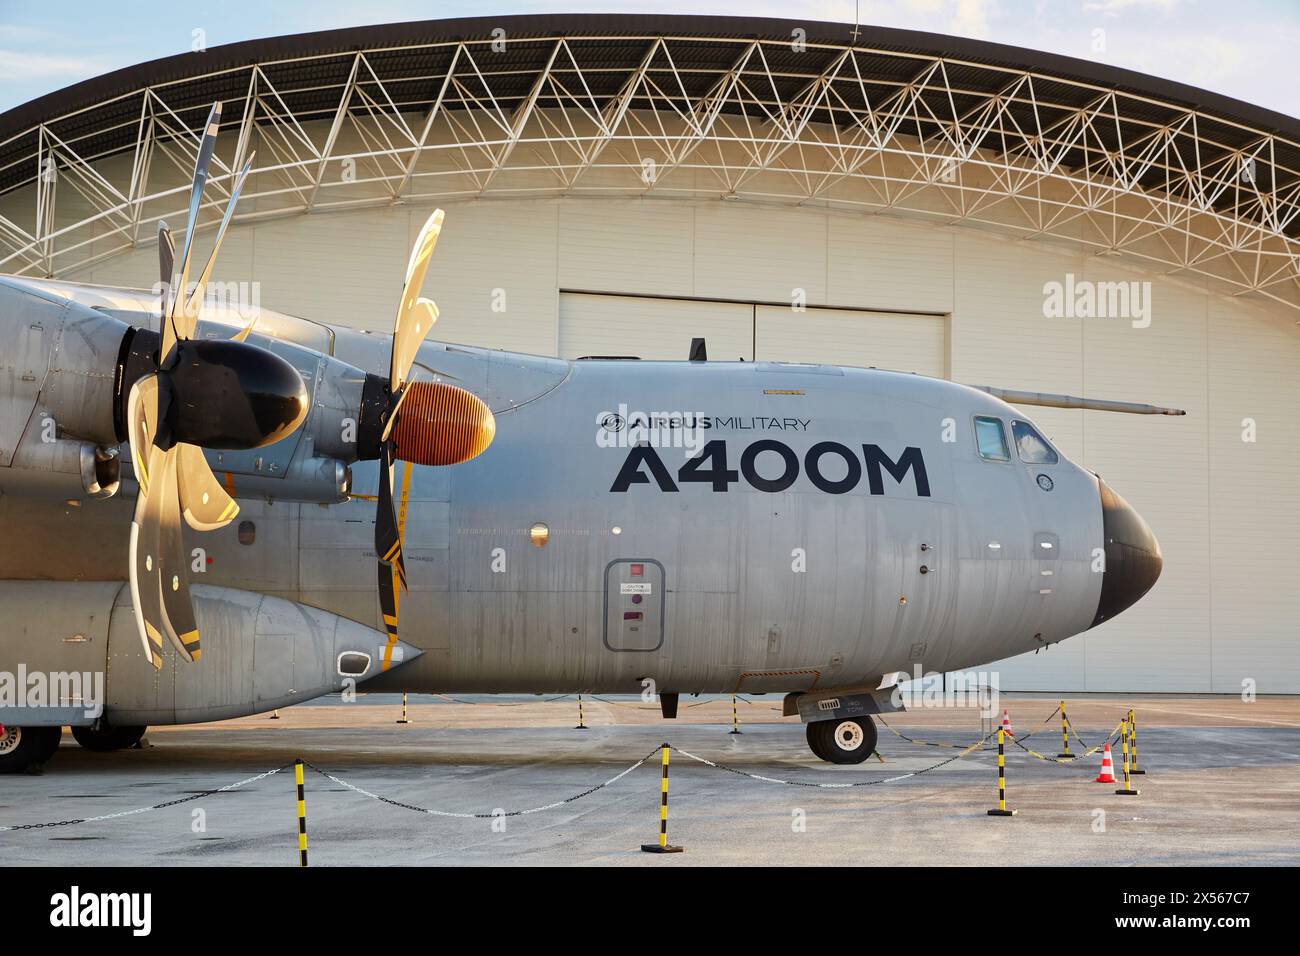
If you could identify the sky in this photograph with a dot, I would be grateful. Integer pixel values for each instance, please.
(1246, 49)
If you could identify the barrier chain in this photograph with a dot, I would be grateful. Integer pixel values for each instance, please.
(834, 786)
(479, 816)
(1126, 730)
(156, 806)
(931, 743)
(1074, 758)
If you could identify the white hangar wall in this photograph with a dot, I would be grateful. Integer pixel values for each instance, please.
(1227, 605)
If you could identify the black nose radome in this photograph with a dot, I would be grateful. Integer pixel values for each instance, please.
(1133, 559)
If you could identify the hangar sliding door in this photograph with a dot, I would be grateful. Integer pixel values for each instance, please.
(652, 328)
(904, 342)
(662, 328)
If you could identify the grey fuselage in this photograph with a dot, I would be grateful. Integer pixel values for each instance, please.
(578, 553)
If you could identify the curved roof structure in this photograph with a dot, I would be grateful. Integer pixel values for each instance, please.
(1027, 144)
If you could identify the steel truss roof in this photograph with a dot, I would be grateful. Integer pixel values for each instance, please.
(876, 121)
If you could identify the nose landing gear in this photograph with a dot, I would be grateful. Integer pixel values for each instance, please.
(848, 740)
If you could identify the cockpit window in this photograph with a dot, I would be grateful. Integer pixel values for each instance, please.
(1031, 446)
(991, 439)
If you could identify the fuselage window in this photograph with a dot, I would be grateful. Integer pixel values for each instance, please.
(991, 439)
(1031, 446)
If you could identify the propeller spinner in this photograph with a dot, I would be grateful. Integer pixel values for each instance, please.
(200, 394)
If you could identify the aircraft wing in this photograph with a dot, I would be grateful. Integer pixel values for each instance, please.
(1053, 400)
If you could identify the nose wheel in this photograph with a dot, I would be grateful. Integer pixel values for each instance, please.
(848, 741)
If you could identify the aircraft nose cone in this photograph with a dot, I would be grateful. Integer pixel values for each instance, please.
(1133, 559)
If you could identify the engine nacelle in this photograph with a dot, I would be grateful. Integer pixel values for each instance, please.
(259, 653)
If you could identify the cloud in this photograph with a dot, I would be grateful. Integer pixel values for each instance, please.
(1114, 7)
(19, 66)
(971, 17)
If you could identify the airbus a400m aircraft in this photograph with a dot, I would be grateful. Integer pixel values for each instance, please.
(435, 518)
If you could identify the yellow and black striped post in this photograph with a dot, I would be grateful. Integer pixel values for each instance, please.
(1002, 810)
(1065, 737)
(403, 719)
(275, 714)
(582, 724)
(663, 845)
(1127, 790)
(1133, 742)
(302, 813)
(735, 718)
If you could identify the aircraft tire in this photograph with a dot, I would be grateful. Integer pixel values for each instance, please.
(22, 748)
(813, 732)
(847, 741)
(107, 737)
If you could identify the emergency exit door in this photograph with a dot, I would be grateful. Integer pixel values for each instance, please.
(634, 605)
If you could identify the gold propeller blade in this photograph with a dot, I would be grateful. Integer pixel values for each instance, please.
(159, 579)
(146, 592)
(172, 570)
(415, 315)
(243, 334)
(143, 412)
(203, 501)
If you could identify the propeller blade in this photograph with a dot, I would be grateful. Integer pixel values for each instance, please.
(203, 501)
(176, 327)
(143, 413)
(201, 286)
(242, 334)
(177, 608)
(392, 415)
(415, 315)
(408, 337)
(166, 263)
(146, 589)
(388, 601)
(388, 540)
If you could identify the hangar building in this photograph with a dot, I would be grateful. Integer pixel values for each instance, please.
(813, 192)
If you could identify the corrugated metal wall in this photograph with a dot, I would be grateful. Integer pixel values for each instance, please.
(1225, 510)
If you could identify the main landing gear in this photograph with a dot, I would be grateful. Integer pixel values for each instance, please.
(845, 740)
(27, 748)
(104, 737)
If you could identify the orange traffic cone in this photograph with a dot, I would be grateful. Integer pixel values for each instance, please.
(1006, 723)
(1107, 774)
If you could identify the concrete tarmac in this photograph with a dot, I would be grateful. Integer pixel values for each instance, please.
(1222, 788)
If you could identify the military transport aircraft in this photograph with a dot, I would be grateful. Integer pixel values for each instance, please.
(542, 525)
